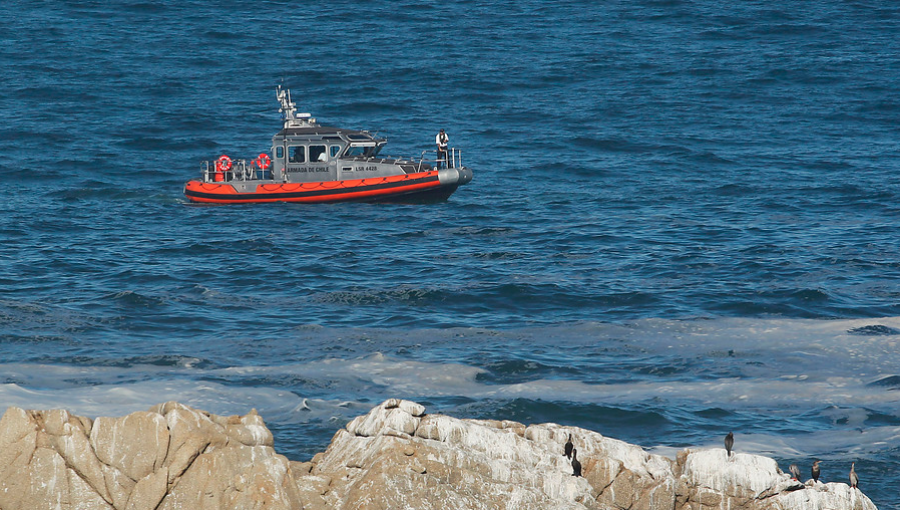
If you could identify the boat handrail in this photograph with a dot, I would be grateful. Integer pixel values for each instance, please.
(244, 170)
(240, 170)
(454, 157)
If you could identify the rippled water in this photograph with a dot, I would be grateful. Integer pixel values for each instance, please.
(683, 219)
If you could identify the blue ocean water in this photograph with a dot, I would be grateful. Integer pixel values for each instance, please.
(683, 219)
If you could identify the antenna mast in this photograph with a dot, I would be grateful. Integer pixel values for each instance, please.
(288, 108)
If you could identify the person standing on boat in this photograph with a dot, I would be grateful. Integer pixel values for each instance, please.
(442, 140)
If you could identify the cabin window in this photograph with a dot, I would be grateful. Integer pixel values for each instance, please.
(279, 152)
(318, 153)
(297, 154)
(362, 151)
(335, 150)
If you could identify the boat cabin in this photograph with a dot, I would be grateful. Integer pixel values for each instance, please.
(320, 153)
(304, 151)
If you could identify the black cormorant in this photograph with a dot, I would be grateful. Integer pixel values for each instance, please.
(576, 466)
(816, 471)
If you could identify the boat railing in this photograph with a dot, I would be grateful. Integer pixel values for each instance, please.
(237, 170)
(249, 170)
(453, 158)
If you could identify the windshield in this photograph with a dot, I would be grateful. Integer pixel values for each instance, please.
(369, 152)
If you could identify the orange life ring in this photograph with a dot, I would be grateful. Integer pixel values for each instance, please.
(223, 164)
(263, 161)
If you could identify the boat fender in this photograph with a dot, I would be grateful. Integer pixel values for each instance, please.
(223, 164)
(448, 176)
(263, 161)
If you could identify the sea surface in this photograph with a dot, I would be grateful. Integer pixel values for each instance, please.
(683, 222)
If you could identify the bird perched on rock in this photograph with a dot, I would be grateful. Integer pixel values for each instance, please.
(729, 443)
(816, 471)
(569, 447)
(795, 472)
(854, 480)
(576, 466)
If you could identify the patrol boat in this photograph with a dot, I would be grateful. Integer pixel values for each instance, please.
(313, 163)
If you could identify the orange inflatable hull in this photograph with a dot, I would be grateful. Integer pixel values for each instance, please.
(423, 184)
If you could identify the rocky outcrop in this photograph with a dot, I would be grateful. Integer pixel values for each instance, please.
(398, 457)
(394, 457)
(171, 457)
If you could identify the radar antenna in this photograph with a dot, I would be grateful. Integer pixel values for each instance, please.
(288, 109)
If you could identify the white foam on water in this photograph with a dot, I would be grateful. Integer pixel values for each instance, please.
(275, 405)
(772, 380)
(823, 345)
(784, 367)
(838, 444)
(373, 372)
(780, 373)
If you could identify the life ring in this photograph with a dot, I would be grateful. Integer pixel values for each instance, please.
(223, 164)
(263, 161)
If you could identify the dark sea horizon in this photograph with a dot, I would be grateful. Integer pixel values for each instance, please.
(683, 219)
